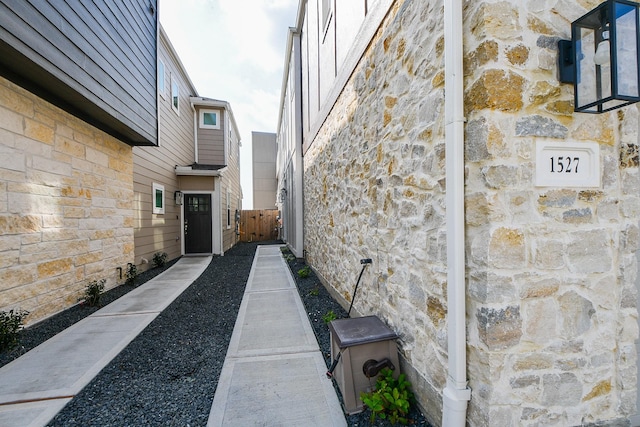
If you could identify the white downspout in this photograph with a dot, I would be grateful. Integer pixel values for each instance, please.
(456, 394)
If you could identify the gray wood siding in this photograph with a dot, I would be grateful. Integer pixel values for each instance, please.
(231, 181)
(96, 60)
(211, 142)
(210, 147)
(155, 232)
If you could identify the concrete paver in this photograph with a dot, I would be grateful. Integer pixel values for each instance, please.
(274, 372)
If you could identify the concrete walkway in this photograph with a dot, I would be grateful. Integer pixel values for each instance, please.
(273, 375)
(274, 372)
(37, 385)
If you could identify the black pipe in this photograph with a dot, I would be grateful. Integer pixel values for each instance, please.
(364, 263)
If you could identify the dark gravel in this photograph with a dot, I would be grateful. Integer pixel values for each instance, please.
(38, 333)
(168, 374)
(318, 303)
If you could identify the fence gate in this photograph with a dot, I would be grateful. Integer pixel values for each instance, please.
(258, 225)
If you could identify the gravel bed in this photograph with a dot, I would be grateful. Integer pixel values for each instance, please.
(36, 334)
(318, 303)
(168, 374)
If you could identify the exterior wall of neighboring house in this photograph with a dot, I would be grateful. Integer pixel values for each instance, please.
(218, 151)
(66, 215)
(231, 188)
(160, 229)
(66, 136)
(263, 149)
(551, 313)
(289, 150)
(197, 156)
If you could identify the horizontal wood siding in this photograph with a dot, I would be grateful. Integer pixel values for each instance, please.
(231, 181)
(96, 60)
(154, 232)
(211, 144)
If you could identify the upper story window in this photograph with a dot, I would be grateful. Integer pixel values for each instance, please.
(175, 95)
(327, 9)
(161, 83)
(210, 119)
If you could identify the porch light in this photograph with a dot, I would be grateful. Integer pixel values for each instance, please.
(178, 197)
(601, 59)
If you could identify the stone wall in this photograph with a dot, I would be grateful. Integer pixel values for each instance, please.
(551, 300)
(66, 218)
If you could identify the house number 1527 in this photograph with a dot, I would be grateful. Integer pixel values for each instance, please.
(565, 164)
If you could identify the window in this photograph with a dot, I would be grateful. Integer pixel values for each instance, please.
(228, 209)
(326, 14)
(158, 198)
(175, 95)
(210, 119)
(161, 78)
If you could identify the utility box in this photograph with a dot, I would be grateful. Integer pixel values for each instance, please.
(358, 342)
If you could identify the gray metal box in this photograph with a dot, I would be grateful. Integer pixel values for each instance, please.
(359, 339)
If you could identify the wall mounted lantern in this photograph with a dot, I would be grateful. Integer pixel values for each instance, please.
(601, 59)
(178, 196)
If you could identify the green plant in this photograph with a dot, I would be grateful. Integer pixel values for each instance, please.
(329, 316)
(304, 272)
(10, 324)
(314, 292)
(93, 292)
(159, 259)
(132, 273)
(391, 398)
(289, 257)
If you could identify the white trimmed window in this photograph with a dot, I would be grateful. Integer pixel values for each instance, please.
(175, 95)
(158, 198)
(209, 119)
(161, 83)
(228, 208)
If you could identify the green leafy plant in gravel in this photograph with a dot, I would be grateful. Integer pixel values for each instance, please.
(304, 272)
(329, 316)
(10, 325)
(314, 292)
(159, 259)
(391, 398)
(132, 273)
(93, 293)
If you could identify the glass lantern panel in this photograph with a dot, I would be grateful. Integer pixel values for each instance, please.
(587, 90)
(626, 50)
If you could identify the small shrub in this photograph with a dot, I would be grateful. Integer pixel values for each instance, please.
(93, 293)
(289, 257)
(10, 324)
(314, 292)
(329, 316)
(391, 398)
(132, 273)
(159, 259)
(304, 272)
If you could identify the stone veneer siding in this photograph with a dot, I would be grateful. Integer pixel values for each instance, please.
(551, 298)
(66, 192)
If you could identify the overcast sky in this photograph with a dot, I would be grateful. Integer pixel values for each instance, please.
(233, 50)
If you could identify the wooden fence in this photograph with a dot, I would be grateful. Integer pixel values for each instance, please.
(258, 225)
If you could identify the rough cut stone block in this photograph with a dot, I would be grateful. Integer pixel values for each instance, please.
(540, 126)
(499, 328)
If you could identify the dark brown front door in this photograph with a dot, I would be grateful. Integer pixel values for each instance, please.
(197, 224)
